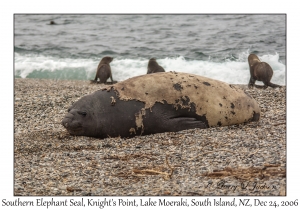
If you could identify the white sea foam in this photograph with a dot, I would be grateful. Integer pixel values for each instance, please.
(230, 71)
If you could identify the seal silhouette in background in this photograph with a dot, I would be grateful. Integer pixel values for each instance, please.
(104, 70)
(153, 67)
(160, 102)
(260, 71)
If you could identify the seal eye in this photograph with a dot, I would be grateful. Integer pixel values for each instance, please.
(82, 113)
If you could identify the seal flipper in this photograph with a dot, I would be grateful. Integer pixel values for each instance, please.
(261, 86)
(183, 123)
(272, 85)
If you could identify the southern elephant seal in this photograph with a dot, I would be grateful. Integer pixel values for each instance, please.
(260, 71)
(153, 67)
(161, 102)
(104, 70)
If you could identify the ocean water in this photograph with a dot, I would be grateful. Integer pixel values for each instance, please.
(211, 45)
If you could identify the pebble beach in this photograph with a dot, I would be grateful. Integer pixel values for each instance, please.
(239, 160)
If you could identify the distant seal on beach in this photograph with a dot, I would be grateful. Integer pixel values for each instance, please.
(160, 102)
(104, 70)
(153, 67)
(260, 71)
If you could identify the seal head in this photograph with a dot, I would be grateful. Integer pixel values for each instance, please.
(80, 118)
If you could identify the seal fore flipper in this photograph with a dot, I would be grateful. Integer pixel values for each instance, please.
(183, 123)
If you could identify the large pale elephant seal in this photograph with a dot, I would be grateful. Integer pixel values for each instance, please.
(104, 70)
(260, 71)
(153, 67)
(160, 102)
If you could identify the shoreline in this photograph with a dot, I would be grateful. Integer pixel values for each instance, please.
(213, 161)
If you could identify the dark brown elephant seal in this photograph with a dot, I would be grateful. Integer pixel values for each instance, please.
(104, 70)
(153, 67)
(260, 71)
(160, 102)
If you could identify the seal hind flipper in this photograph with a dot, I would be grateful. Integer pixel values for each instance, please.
(260, 86)
(272, 85)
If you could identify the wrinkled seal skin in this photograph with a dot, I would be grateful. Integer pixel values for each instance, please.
(260, 71)
(153, 67)
(104, 70)
(161, 102)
